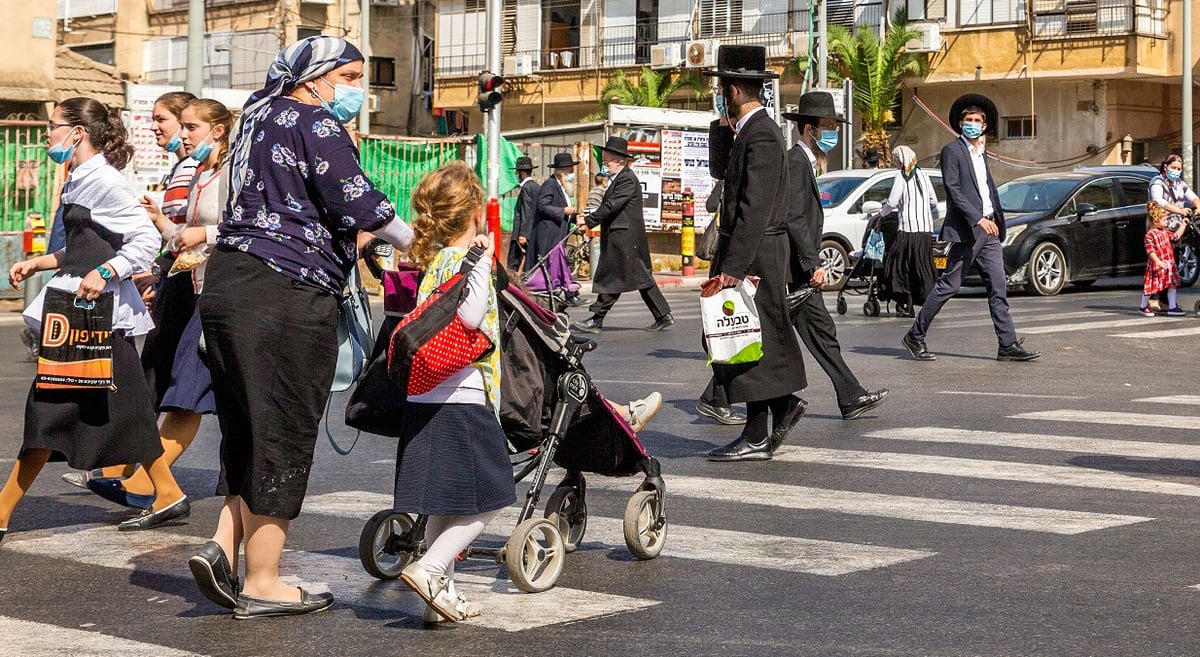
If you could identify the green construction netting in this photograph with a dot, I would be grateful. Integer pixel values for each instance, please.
(26, 176)
(396, 166)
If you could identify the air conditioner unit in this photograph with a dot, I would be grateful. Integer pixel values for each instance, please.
(386, 3)
(701, 53)
(516, 66)
(930, 39)
(666, 55)
(372, 103)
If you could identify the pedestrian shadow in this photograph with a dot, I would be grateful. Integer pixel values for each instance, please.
(902, 354)
(677, 354)
(1146, 466)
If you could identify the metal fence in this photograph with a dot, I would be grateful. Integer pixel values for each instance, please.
(26, 175)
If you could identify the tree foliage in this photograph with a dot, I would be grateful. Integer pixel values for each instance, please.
(652, 89)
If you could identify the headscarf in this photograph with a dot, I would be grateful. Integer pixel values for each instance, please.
(304, 60)
(906, 160)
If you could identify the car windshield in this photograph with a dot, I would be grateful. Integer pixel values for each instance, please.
(835, 190)
(1035, 195)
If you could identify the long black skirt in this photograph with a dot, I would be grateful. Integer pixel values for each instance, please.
(908, 267)
(172, 309)
(452, 460)
(96, 428)
(272, 350)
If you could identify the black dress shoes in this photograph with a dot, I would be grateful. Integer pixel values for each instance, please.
(1016, 352)
(2, 533)
(250, 607)
(214, 576)
(661, 323)
(916, 348)
(722, 414)
(742, 450)
(148, 519)
(789, 419)
(864, 404)
(576, 301)
(589, 325)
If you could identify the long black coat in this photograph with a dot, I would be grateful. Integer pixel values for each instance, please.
(624, 251)
(551, 225)
(754, 242)
(525, 212)
(806, 217)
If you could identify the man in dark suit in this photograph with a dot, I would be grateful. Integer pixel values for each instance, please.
(974, 227)
(818, 122)
(624, 251)
(754, 243)
(523, 215)
(554, 209)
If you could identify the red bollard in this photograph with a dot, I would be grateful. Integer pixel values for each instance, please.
(493, 222)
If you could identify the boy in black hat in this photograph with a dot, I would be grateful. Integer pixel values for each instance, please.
(524, 214)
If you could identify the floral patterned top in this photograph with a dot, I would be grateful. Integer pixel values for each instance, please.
(304, 198)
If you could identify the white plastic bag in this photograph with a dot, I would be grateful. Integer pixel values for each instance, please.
(732, 330)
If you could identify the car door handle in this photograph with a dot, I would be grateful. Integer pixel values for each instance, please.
(1123, 223)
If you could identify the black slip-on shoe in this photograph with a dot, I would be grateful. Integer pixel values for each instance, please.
(661, 323)
(742, 450)
(864, 404)
(251, 607)
(214, 576)
(177, 510)
(589, 325)
(916, 348)
(722, 414)
(1015, 352)
(786, 422)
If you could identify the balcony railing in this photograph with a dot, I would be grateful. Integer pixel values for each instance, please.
(1058, 19)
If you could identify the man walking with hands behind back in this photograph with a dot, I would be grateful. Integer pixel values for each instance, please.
(974, 227)
(524, 215)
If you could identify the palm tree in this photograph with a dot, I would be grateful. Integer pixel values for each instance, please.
(877, 69)
(653, 89)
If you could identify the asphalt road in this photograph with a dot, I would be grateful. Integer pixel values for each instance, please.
(991, 509)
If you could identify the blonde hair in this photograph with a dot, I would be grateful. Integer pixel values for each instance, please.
(214, 113)
(447, 203)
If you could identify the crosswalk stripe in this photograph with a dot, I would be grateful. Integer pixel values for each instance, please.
(162, 553)
(1024, 321)
(1130, 448)
(30, 639)
(1193, 400)
(1016, 395)
(923, 509)
(703, 544)
(1084, 326)
(1113, 417)
(979, 469)
(1170, 333)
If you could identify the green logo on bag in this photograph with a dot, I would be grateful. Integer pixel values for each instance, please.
(728, 308)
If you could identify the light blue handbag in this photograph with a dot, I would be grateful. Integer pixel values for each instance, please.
(354, 333)
(874, 248)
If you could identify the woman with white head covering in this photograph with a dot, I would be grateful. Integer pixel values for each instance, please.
(297, 201)
(908, 265)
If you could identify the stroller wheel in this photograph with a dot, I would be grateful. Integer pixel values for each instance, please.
(387, 544)
(1196, 308)
(842, 306)
(645, 525)
(568, 508)
(871, 308)
(534, 555)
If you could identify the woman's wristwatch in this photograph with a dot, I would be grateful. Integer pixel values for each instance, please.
(105, 272)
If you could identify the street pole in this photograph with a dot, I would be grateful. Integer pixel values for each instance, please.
(1186, 125)
(492, 118)
(364, 46)
(823, 41)
(194, 82)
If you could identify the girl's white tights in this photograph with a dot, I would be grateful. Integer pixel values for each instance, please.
(446, 537)
(1172, 301)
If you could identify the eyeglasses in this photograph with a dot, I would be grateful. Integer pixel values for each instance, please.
(51, 126)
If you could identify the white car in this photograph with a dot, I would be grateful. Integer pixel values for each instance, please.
(844, 195)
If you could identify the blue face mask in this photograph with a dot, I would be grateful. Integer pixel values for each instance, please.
(346, 103)
(570, 177)
(1174, 174)
(60, 155)
(719, 103)
(972, 130)
(828, 140)
(201, 151)
(174, 144)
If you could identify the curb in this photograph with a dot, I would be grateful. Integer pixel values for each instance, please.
(665, 280)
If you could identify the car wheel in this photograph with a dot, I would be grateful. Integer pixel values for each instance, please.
(836, 261)
(1047, 270)
(1187, 259)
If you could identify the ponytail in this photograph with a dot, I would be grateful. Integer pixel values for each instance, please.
(104, 128)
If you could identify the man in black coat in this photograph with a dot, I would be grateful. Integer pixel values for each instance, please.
(624, 252)
(974, 227)
(817, 120)
(554, 209)
(523, 215)
(754, 243)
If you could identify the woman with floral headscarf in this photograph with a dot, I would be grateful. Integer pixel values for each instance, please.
(286, 245)
(908, 264)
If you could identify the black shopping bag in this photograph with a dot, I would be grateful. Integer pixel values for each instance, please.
(76, 348)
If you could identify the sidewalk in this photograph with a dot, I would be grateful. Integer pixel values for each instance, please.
(667, 280)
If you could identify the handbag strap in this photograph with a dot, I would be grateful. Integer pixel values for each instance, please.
(329, 434)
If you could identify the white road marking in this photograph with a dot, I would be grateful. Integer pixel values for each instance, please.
(1194, 400)
(1019, 395)
(978, 469)
(1111, 417)
(30, 639)
(700, 543)
(923, 509)
(1084, 326)
(505, 607)
(1025, 320)
(1130, 448)
(1169, 333)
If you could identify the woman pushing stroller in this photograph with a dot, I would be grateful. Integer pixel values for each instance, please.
(908, 264)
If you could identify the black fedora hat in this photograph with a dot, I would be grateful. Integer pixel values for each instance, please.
(817, 104)
(562, 161)
(743, 63)
(618, 145)
(524, 163)
(991, 115)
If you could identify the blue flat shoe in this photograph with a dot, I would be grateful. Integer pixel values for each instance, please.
(114, 491)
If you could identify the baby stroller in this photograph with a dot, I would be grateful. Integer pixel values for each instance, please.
(866, 277)
(550, 279)
(552, 414)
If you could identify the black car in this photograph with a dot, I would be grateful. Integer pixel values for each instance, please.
(1082, 225)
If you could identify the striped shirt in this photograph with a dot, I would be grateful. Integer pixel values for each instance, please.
(175, 198)
(906, 197)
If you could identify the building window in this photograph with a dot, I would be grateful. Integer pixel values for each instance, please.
(237, 60)
(383, 72)
(303, 33)
(990, 12)
(720, 18)
(1019, 127)
(100, 52)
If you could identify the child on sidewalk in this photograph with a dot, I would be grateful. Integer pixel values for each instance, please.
(1161, 273)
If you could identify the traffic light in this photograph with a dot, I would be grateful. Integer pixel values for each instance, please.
(489, 91)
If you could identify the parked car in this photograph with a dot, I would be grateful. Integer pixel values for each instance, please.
(843, 195)
(1075, 227)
